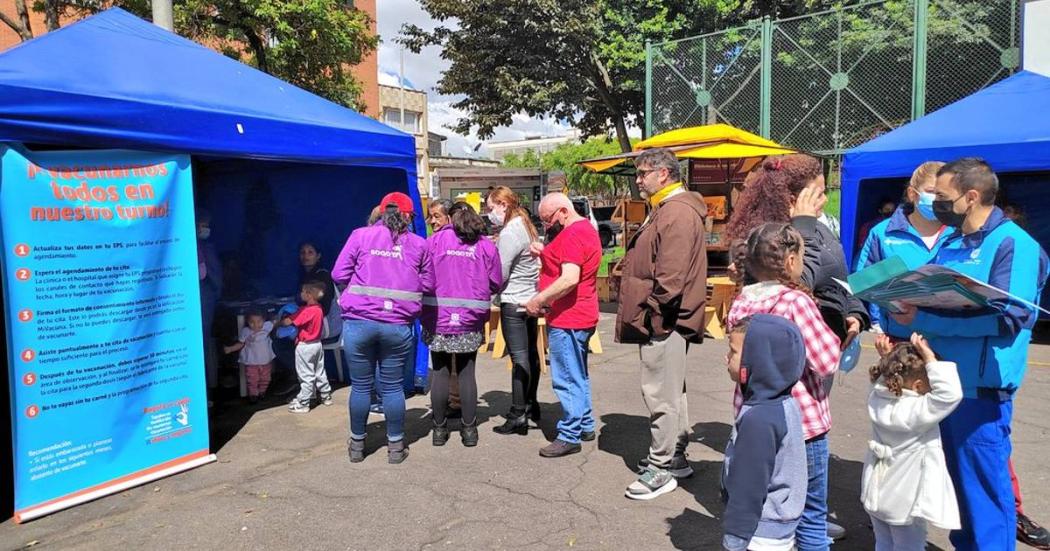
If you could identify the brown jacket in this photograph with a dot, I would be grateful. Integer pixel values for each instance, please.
(664, 283)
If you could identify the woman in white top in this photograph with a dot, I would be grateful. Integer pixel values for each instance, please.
(906, 482)
(521, 272)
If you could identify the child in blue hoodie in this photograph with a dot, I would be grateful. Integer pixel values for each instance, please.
(764, 475)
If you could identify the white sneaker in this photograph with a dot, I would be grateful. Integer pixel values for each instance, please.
(298, 407)
(652, 484)
(326, 400)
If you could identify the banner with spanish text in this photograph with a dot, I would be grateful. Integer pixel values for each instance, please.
(102, 310)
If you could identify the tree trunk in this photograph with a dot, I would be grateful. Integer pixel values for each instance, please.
(22, 26)
(603, 84)
(258, 48)
(51, 12)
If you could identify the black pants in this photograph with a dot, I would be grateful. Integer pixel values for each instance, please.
(520, 332)
(463, 364)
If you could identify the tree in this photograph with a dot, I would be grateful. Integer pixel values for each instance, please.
(580, 61)
(566, 158)
(309, 43)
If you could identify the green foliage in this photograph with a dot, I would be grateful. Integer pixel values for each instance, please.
(309, 43)
(566, 158)
(579, 61)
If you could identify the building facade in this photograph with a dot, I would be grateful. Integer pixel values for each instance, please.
(406, 110)
(538, 145)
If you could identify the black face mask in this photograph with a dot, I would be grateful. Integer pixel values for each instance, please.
(944, 210)
(553, 231)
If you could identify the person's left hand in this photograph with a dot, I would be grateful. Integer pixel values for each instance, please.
(534, 307)
(853, 325)
(810, 202)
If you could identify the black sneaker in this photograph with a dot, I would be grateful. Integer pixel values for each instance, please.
(1030, 533)
(588, 435)
(559, 448)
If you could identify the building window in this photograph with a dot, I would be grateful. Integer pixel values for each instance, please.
(413, 120)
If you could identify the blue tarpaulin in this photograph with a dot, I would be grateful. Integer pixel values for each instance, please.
(274, 164)
(1007, 124)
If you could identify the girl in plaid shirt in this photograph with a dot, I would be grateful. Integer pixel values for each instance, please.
(773, 258)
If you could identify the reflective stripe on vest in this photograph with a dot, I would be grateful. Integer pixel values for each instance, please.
(384, 293)
(457, 302)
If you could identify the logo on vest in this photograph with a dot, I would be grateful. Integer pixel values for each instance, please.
(453, 319)
(395, 252)
(388, 305)
(469, 253)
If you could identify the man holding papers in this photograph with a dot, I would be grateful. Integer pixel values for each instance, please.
(990, 346)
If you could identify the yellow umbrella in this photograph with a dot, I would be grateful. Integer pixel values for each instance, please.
(713, 141)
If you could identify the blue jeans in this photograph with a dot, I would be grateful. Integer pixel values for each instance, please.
(572, 383)
(812, 531)
(976, 440)
(365, 344)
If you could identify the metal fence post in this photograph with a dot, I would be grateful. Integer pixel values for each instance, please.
(648, 89)
(766, 89)
(918, 68)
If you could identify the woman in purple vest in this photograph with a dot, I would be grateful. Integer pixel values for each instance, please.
(386, 269)
(467, 272)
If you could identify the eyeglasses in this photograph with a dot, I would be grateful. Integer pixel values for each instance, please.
(550, 219)
(643, 172)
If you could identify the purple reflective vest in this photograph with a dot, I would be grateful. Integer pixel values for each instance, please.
(384, 280)
(466, 277)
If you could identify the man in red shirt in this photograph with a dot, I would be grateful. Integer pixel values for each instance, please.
(568, 294)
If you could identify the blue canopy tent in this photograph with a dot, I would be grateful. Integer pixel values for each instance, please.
(1007, 124)
(275, 164)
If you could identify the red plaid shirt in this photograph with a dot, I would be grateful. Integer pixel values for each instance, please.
(822, 347)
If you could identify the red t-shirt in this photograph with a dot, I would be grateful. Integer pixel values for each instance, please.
(309, 320)
(577, 244)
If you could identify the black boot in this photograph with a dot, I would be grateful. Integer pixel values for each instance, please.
(534, 412)
(514, 425)
(468, 432)
(440, 434)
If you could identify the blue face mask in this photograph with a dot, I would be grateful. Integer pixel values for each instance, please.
(925, 205)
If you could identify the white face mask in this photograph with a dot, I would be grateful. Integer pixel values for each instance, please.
(204, 233)
(497, 218)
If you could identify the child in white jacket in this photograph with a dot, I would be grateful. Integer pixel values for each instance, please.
(906, 482)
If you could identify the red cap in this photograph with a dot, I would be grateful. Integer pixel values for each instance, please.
(403, 202)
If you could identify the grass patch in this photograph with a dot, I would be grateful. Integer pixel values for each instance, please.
(608, 256)
(833, 206)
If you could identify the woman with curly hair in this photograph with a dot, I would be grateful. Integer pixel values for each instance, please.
(790, 189)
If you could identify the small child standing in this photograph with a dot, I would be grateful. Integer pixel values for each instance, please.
(906, 482)
(309, 355)
(764, 475)
(773, 257)
(256, 353)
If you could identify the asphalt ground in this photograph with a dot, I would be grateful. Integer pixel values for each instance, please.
(283, 481)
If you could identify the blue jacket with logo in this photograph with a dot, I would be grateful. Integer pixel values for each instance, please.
(990, 347)
(895, 236)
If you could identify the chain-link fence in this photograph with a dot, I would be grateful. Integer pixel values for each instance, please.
(832, 80)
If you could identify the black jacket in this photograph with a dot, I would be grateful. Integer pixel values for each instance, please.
(824, 262)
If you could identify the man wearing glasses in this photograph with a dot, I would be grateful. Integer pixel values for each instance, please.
(662, 296)
(569, 298)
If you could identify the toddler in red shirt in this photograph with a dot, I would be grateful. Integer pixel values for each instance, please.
(309, 355)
